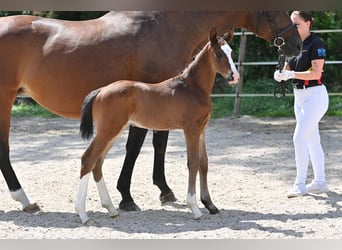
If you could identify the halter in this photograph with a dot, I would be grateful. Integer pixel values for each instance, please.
(280, 88)
(278, 40)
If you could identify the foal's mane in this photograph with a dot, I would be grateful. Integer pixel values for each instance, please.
(194, 61)
(188, 67)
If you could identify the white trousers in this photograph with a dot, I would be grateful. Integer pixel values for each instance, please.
(310, 105)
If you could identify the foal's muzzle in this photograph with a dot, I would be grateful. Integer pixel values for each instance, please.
(233, 77)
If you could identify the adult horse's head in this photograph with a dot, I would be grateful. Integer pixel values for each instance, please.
(222, 60)
(277, 28)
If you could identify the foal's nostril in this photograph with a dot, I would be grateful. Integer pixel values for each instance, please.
(230, 76)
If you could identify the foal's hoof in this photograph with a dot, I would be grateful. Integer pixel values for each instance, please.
(129, 206)
(200, 217)
(89, 223)
(114, 214)
(210, 206)
(169, 197)
(32, 208)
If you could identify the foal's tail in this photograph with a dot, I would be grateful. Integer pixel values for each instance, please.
(86, 126)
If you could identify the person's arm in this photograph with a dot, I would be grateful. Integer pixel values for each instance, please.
(314, 73)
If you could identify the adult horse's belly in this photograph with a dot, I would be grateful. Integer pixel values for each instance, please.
(61, 84)
(63, 102)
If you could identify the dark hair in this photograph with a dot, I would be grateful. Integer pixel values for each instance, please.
(305, 15)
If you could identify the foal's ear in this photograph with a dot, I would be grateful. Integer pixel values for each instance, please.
(229, 35)
(213, 36)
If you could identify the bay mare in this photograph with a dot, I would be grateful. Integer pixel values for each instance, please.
(181, 102)
(58, 62)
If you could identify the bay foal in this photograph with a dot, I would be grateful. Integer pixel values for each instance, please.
(181, 102)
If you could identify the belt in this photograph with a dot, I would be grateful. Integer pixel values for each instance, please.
(305, 87)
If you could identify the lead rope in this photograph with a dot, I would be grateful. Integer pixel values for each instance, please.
(280, 88)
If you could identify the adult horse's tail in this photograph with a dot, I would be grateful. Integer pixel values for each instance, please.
(86, 126)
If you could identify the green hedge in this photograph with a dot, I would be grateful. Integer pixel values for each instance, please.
(222, 107)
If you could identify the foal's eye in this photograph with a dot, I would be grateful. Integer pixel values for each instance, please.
(218, 54)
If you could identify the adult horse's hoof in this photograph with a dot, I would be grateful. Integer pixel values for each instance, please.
(169, 197)
(129, 206)
(32, 208)
(213, 210)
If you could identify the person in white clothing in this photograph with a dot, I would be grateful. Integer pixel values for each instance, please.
(310, 105)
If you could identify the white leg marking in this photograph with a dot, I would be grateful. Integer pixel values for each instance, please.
(192, 203)
(80, 204)
(20, 196)
(105, 198)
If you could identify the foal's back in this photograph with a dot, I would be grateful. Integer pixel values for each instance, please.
(162, 106)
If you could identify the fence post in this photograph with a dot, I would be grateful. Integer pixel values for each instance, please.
(242, 50)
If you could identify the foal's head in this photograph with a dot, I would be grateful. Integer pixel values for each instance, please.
(222, 56)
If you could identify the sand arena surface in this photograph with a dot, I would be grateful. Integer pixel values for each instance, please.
(251, 167)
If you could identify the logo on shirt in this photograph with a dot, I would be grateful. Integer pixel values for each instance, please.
(321, 52)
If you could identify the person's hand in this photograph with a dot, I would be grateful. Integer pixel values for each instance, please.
(284, 75)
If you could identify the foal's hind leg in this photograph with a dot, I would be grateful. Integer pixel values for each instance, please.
(106, 201)
(205, 196)
(92, 158)
(80, 204)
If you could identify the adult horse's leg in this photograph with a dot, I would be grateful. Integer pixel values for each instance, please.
(135, 140)
(17, 192)
(203, 171)
(136, 137)
(159, 144)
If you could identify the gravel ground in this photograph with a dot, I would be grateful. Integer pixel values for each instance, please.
(251, 167)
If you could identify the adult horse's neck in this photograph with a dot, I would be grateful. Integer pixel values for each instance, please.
(173, 38)
(195, 26)
(189, 29)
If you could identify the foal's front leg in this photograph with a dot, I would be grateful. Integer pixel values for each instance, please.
(192, 144)
(205, 196)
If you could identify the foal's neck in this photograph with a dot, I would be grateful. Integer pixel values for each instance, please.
(200, 74)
